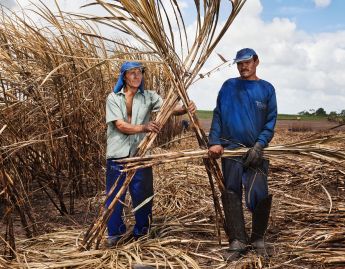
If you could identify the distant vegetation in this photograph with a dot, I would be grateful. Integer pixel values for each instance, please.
(300, 117)
(204, 114)
(321, 113)
(311, 114)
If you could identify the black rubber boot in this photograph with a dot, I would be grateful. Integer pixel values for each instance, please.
(259, 225)
(234, 225)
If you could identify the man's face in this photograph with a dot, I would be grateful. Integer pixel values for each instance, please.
(133, 77)
(247, 69)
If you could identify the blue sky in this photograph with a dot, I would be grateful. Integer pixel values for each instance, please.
(307, 16)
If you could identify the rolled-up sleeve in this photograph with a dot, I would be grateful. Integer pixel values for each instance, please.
(156, 101)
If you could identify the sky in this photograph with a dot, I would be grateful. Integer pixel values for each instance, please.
(300, 43)
(301, 47)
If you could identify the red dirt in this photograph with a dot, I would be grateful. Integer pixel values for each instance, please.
(292, 125)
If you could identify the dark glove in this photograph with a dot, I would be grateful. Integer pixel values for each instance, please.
(253, 157)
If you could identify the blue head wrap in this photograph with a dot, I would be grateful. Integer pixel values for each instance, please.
(125, 67)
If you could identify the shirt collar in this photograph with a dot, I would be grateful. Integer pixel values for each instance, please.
(123, 93)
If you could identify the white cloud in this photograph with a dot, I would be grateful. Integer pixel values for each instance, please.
(307, 70)
(322, 3)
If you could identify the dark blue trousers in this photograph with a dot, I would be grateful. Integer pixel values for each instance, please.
(140, 188)
(253, 181)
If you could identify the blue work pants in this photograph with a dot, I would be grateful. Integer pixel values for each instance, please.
(253, 180)
(140, 188)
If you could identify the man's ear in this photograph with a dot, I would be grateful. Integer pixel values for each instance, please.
(257, 62)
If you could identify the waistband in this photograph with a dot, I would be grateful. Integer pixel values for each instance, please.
(116, 159)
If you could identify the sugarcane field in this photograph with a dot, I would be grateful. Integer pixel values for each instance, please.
(68, 159)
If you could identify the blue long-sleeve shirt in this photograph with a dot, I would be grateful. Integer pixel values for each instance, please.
(246, 113)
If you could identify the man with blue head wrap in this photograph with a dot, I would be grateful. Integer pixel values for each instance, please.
(125, 67)
(245, 116)
(128, 110)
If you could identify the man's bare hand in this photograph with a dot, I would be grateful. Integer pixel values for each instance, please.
(151, 126)
(191, 107)
(215, 151)
(181, 109)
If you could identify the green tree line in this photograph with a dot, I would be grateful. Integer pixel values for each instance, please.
(320, 112)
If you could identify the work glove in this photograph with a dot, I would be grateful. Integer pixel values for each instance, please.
(253, 157)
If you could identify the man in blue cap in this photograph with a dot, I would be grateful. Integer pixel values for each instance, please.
(245, 116)
(128, 110)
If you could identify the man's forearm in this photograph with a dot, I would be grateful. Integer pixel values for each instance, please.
(127, 128)
(179, 110)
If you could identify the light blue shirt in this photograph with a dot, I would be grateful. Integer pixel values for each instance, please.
(120, 145)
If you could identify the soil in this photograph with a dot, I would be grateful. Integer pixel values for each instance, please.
(292, 125)
(304, 233)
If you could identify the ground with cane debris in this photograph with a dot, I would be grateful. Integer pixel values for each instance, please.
(306, 228)
(54, 81)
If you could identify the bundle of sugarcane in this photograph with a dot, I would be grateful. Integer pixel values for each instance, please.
(53, 83)
(150, 24)
(314, 148)
(306, 228)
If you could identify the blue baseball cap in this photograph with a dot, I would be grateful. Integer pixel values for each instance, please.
(244, 55)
